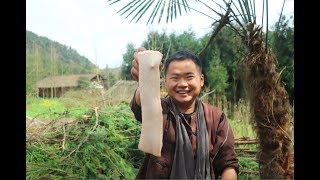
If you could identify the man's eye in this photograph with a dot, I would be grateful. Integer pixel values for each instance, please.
(190, 77)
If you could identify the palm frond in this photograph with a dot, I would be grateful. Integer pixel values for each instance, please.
(113, 1)
(253, 9)
(154, 12)
(236, 19)
(162, 9)
(212, 8)
(138, 8)
(128, 7)
(243, 12)
(179, 8)
(186, 5)
(281, 13)
(143, 10)
(169, 10)
(247, 6)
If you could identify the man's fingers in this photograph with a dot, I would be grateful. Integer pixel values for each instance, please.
(135, 58)
(141, 49)
(135, 74)
(135, 64)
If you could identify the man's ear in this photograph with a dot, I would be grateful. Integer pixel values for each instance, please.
(202, 80)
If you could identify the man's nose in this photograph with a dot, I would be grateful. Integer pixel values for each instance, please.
(182, 82)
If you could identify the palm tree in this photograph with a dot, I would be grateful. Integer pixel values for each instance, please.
(268, 98)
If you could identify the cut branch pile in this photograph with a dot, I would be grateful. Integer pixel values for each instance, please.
(86, 148)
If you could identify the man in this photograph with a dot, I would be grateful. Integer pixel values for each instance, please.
(198, 142)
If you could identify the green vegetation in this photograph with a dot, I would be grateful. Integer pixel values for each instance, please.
(242, 129)
(87, 149)
(103, 147)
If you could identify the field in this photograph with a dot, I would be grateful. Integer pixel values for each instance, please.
(84, 136)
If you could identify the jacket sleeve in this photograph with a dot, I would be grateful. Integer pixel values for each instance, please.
(226, 155)
(135, 108)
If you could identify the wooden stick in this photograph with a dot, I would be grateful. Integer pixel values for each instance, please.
(131, 137)
(207, 93)
(64, 137)
(246, 142)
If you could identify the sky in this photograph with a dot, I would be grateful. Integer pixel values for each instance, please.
(96, 31)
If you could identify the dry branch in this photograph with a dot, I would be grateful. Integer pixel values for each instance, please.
(207, 94)
(37, 128)
(64, 137)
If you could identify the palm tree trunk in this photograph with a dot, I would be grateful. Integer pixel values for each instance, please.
(269, 110)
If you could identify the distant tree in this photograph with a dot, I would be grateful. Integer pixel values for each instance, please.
(227, 46)
(217, 78)
(33, 67)
(169, 43)
(160, 42)
(110, 79)
(185, 41)
(157, 41)
(282, 42)
(83, 83)
(126, 63)
(217, 75)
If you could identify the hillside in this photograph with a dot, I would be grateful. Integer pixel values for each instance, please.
(64, 54)
(46, 57)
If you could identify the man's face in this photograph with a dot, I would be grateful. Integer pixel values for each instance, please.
(183, 81)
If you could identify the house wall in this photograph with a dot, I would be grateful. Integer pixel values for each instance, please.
(52, 92)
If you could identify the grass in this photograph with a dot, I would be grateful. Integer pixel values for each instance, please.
(248, 167)
(242, 129)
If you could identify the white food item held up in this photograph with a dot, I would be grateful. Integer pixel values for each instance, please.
(149, 85)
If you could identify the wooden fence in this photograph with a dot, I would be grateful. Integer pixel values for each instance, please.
(246, 149)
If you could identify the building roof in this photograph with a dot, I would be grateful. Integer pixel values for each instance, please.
(70, 80)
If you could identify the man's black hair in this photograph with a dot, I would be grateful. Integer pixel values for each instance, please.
(182, 55)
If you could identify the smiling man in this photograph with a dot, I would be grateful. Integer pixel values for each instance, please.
(198, 142)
